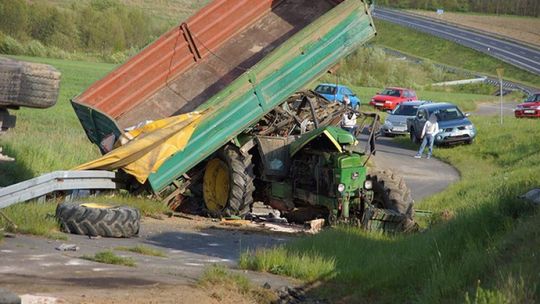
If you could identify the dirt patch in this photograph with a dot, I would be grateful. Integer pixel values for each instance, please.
(518, 28)
(158, 293)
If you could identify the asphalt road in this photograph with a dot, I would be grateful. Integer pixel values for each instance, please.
(423, 176)
(514, 53)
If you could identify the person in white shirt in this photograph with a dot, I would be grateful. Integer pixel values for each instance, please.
(348, 122)
(431, 128)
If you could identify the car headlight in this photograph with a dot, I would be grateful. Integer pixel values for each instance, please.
(388, 101)
(519, 107)
(341, 187)
(368, 185)
(388, 123)
(469, 127)
(538, 108)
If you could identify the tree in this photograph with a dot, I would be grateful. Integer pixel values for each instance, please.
(13, 17)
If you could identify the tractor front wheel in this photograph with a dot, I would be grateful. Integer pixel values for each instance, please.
(228, 183)
(391, 192)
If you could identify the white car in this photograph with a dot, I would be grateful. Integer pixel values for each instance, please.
(396, 122)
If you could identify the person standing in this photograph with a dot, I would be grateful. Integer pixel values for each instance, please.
(431, 128)
(348, 122)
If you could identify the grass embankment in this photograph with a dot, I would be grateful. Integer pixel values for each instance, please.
(484, 241)
(410, 41)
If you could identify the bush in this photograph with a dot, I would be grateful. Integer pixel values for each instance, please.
(107, 27)
(10, 46)
(35, 48)
(372, 67)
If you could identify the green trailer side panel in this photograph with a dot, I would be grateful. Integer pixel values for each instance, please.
(293, 65)
(98, 125)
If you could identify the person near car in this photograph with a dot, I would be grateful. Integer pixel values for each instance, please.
(431, 128)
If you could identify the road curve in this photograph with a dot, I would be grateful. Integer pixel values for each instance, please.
(514, 53)
(424, 177)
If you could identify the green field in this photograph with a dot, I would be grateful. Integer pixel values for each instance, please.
(51, 139)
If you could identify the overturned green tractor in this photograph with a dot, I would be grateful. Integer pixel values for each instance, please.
(308, 168)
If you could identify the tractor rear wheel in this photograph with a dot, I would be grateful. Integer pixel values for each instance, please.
(228, 183)
(391, 192)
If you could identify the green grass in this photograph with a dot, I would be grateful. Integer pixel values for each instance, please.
(32, 218)
(306, 266)
(51, 139)
(491, 236)
(144, 250)
(222, 282)
(108, 257)
(413, 42)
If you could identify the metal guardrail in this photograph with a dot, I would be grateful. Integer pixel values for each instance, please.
(56, 181)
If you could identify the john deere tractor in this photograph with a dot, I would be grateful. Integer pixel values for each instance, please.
(298, 161)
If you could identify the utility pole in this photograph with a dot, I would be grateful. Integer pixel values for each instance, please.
(500, 72)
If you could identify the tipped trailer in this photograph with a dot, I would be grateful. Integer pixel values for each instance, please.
(210, 90)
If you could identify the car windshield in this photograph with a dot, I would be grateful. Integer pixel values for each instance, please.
(326, 89)
(448, 114)
(405, 110)
(391, 92)
(533, 98)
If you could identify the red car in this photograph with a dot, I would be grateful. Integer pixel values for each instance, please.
(530, 108)
(391, 97)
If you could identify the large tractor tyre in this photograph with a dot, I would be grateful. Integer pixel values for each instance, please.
(228, 183)
(95, 220)
(26, 84)
(391, 192)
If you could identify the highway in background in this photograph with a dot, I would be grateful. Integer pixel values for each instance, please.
(517, 54)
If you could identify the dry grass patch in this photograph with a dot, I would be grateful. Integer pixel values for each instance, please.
(228, 287)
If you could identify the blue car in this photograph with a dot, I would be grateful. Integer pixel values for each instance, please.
(333, 92)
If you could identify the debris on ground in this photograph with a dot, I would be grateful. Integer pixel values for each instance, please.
(7, 297)
(5, 157)
(33, 299)
(290, 295)
(314, 226)
(532, 196)
(67, 247)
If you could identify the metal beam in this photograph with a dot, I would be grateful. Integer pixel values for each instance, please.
(56, 181)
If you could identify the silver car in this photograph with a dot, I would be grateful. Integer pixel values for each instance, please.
(396, 122)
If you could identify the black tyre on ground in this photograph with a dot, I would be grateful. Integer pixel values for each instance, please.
(77, 218)
(392, 193)
(228, 183)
